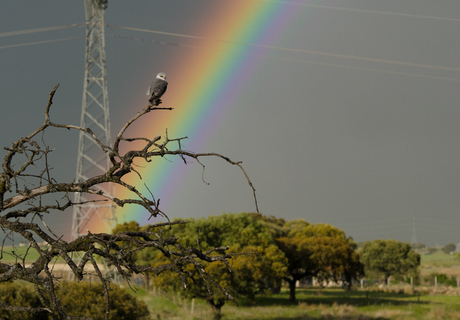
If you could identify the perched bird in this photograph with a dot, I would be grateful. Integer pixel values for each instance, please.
(157, 88)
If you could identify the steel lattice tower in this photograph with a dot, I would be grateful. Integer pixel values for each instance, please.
(414, 231)
(91, 160)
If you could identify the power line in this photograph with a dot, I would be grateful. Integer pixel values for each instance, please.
(259, 55)
(37, 30)
(38, 42)
(188, 36)
(371, 221)
(287, 49)
(406, 15)
(440, 219)
(366, 68)
(174, 44)
(293, 59)
(414, 231)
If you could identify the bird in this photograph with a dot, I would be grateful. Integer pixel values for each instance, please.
(157, 88)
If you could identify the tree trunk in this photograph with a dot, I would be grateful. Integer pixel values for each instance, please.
(348, 286)
(147, 279)
(216, 307)
(292, 290)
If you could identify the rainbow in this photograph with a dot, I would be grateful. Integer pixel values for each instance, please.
(222, 70)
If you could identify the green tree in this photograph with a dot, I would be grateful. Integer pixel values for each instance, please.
(448, 248)
(320, 251)
(389, 257)
(432, 250)
(128, 227)
(131, 226)
(250, 273)
(419, 246)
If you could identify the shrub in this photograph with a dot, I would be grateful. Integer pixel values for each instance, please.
(82, 299)
(86, 299)
(448, 248)
(20, 295)
(442, 279)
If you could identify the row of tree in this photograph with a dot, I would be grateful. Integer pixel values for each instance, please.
(263, 251)
(447, 249)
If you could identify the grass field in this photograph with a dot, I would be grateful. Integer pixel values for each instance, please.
(332, 304)
(11, 254)
(439, 259)
(439, 262)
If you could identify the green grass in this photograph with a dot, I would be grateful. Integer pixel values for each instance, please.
(13, 254)
(173, 306)
(439, 259)
(333, 304)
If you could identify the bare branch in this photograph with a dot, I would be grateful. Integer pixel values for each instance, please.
(27, 187)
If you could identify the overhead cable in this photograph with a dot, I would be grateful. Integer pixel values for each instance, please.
(38, 42)
(287, 49)
(297, 60)
(400, 14)
(36, 30)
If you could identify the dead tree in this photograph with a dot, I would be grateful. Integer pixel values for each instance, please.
(28, 195)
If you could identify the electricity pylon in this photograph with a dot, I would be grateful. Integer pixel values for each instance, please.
(91, 160)
(414, 232)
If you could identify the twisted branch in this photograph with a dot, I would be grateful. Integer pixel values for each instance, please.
(25, 194)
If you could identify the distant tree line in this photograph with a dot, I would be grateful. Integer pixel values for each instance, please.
(447, 249)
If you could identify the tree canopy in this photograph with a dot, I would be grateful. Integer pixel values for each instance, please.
(290, 250)
(259, 268)
(389, 257)
(448, 248)
(320, 251)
